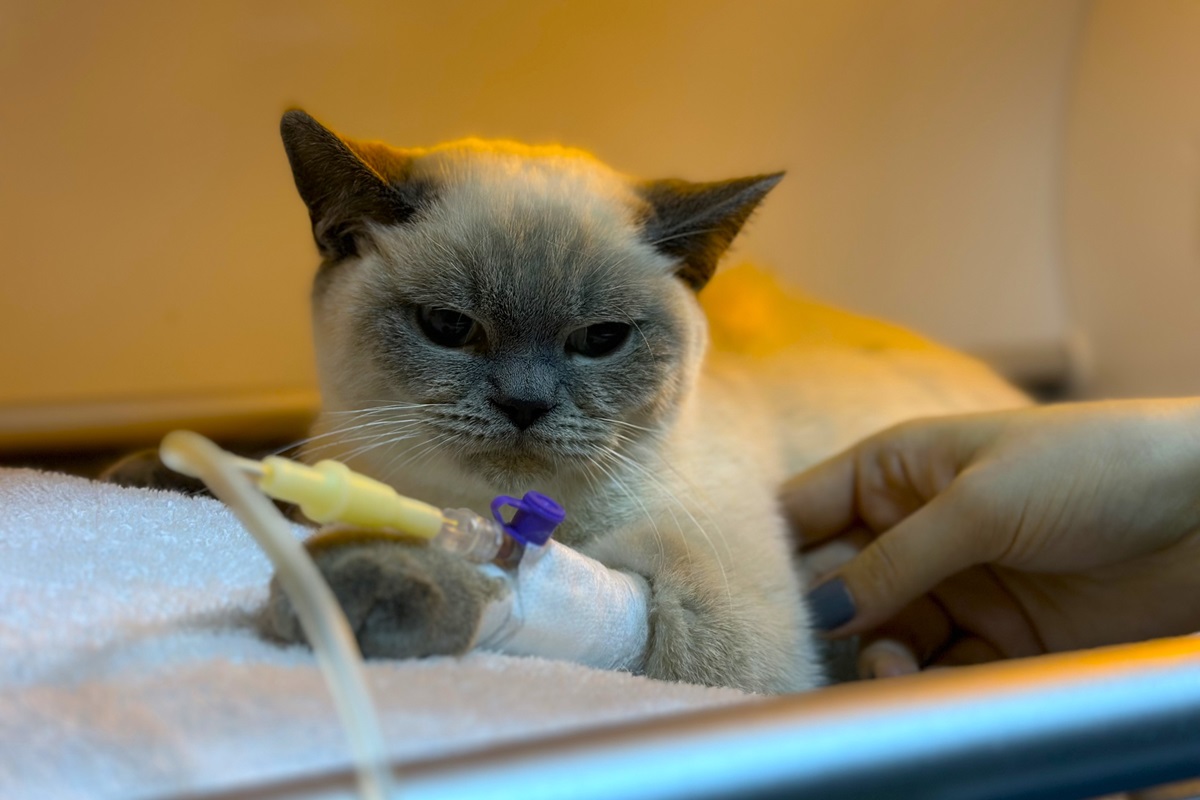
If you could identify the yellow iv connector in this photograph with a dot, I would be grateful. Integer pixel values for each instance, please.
(330, 491)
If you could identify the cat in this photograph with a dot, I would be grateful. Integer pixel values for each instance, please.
(491, 317)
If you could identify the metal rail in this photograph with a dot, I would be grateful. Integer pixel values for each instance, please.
(1056, 727)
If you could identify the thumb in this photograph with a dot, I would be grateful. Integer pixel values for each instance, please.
(924, 549)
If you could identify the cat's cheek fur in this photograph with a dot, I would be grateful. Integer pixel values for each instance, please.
(340, 369)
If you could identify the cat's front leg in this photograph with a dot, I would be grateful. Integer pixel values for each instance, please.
(715, 619)
(402, 600)
(719, 640)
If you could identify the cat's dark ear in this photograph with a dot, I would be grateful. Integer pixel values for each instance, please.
(694, 223)
(341, 188)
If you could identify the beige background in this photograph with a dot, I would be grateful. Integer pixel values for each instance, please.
(1132, 199)
(946, 161)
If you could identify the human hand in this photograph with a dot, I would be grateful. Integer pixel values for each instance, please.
(1010, 534)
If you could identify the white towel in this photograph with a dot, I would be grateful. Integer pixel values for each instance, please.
(127, 668)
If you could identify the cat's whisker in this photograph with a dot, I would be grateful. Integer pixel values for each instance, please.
(337, 430)
(685, 234)
(378, 442)
(420, 451)
(345, 449)
(361, 417)
(611, 454)
(638, 328)
(594, 485)
(625, 424)
(653, 479)
(701, 497)
(443, 438)
(705, 509)
(337, 438)
(345, 420)
(393, 419)
(622, 487)
(358, 426)
(381, 408)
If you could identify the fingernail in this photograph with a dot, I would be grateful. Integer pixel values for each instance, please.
(886, 658)
(831, 605)
(894, 667)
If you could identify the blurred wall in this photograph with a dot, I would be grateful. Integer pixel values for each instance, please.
(157, 258)
(1132, 207)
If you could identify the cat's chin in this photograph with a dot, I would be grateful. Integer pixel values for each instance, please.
(512, 469)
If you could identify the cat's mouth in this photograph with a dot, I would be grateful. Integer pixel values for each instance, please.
(514, 460)
(520, 454)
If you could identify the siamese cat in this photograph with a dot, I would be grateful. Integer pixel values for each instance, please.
(492, 317)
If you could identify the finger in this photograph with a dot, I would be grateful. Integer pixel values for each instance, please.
(922, 627)
(819, 503)
(937, 541)
(902, 469)
(981, 605)
(971, 650)
(886, 658)
(888, 476)
(833, 554)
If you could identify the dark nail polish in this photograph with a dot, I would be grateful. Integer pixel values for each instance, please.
(831, 605)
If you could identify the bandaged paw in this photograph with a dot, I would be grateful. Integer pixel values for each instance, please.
(565, 605)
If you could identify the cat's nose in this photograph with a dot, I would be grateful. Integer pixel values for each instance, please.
(523, 411)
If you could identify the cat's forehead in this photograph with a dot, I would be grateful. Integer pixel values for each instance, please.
(478, 176)
(510, 221)
(467, 156)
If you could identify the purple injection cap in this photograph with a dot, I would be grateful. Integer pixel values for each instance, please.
(535, 519)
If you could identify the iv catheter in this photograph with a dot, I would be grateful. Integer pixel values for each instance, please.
(330, 492)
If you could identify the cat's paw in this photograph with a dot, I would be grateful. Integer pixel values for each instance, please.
(402, 600)
(145, 470)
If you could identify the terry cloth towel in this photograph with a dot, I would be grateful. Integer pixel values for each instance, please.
(128, 668)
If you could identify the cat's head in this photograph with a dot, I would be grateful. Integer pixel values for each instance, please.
(525, 313)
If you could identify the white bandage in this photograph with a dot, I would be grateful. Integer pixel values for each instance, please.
(567, 606)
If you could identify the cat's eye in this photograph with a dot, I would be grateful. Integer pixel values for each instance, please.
(447, 327)
(598, 340)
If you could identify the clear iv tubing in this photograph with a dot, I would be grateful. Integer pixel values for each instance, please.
(317, 609)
